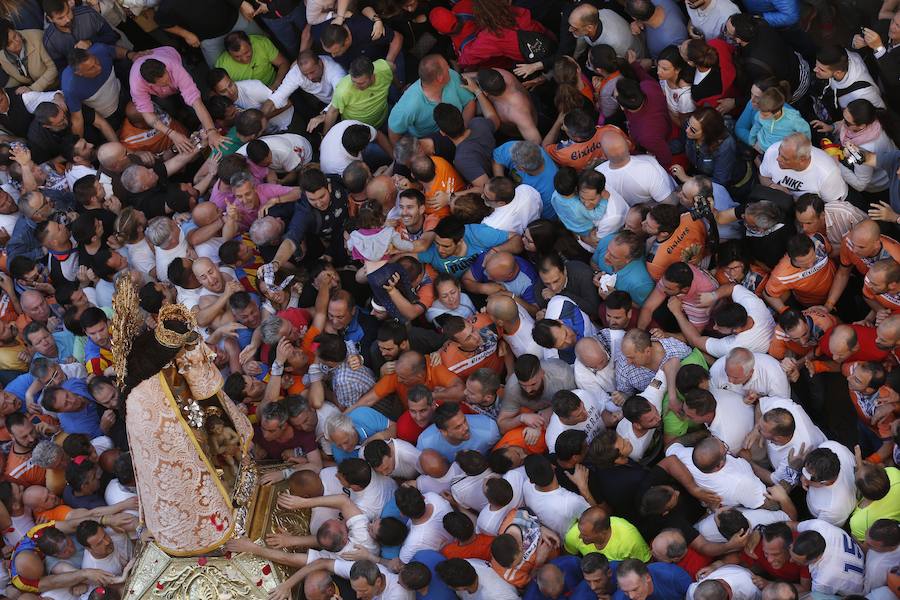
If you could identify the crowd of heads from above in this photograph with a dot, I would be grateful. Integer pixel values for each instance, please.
(594, 300)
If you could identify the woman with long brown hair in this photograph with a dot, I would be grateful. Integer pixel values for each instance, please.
(572, 88)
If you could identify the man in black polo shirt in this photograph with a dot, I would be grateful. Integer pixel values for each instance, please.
(353, 39)
(14, 117)
(52, 129)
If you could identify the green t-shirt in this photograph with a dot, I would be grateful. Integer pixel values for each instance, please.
(673, 424)
(625, 542)
(260, 65)
(886, 508)
(232, 143)
(369, 105)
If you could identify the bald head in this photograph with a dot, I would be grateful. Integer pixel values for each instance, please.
(865, 239)
(381, 189)
(31, 300)
(591, 353)
(585, 14)
(306, 484)
(411, 362)
(501, 266)
(550, 581)
(708, 454)
(205, 214)
(502, 308)
(669, 546)
(201, 264)
(843, 342)
(113, 156)
(433, 464)
(780, 590)
(615, 147)
(888, 333)
(318, 586)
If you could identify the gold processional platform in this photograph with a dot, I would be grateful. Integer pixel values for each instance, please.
(222, 575)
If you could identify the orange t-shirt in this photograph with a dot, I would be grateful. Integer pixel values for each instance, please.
(519, 574)
(21, 469)
(809, 286)
(781, 344)
(136, 139)
(435, 376)
(485, 355)
(889, 301)
(890, 248)
(479, 548)
(55, 514)
(579, 154)
(686, 243)
(446, 179)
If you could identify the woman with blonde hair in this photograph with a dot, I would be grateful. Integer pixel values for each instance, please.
(130, 226)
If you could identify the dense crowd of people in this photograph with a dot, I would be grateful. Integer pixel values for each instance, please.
(526, 299)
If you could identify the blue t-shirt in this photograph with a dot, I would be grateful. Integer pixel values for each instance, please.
(19, 386)
(437, 589)
(367, 421)
(571, 570)
(414, 112)
(483, 434)
(78, 89)
(542, 182)
(478, 238)
(669, 581)
(522, 284)
(574, 215)
(86, 420)
(583, 591)
(633, 278)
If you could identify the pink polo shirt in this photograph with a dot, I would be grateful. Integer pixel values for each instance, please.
(703, 282)
(265, 191)
(181, 80)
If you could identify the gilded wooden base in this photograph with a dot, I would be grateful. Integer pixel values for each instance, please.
(220, 576)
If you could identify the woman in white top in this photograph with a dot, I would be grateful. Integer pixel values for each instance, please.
(130, 232)
(669, 67)
(861, 127)
(449, 299)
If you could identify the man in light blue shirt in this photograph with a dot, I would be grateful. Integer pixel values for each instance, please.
(532, 166)
(414, 112)
(453, 431)
(348, 432)
(456, 245)
(622, 254)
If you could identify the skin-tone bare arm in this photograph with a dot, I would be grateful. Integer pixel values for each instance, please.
(838, 286)
(282, 66)
(653, 301)
(513, 244)
(105, 128)
(528, 128)
(331, 118)
(205, 233)
(455, 392)
(394, 48)
(680, 473)
(77, 123)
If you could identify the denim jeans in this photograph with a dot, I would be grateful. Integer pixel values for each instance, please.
(287, 29)
(379, 278)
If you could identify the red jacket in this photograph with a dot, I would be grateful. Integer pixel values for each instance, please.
(727, 73)
(501, 49)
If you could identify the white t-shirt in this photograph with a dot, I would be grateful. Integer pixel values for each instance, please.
(735, 482)
(289, 151)
(252, 93)
(431, 534)
(601, 381)
(835, 502)
(375, 496)
(490, 585)
(426, 483)
(806, 433)
(331, 486)
(642, 179)
(841, 568)
(357, 535)
(755, 339)
(116, 561)
(733, 421)
(406, 459)
(392, 588)
(141, 256)
(679, 100)
(489, 520)
(468, 491)
(116, 492)
(768, 378)
(557, 509)
(190, 298)
(514, 217)
(521, 342)
(877, 566)
(755, 516)
(614, 217)
(323, 89)
(639, 445)
(164, 257)
(739, 579)
(593, 402)
(822, 177)
(711, 20)
(333, 157)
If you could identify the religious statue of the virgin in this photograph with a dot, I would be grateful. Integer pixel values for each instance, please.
(189, 504)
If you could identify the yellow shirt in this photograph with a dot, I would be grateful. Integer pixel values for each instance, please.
(886, 508)
(9, 358)
(625, 542)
